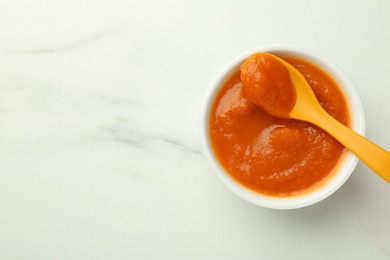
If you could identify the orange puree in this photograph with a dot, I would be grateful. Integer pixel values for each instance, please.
(267, 83)
(276, 157)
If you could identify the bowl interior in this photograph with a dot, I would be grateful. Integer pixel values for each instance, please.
(345, 167)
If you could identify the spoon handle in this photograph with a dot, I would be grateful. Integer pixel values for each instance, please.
(375, 157)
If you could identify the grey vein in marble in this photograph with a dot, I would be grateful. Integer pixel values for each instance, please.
(130, 137)
(64, 48)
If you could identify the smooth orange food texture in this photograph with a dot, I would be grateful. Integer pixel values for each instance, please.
(268, 85)
(276, 157)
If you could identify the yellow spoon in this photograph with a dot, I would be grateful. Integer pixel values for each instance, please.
(307, 108)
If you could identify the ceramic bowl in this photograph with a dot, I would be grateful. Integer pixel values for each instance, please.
(345, 167)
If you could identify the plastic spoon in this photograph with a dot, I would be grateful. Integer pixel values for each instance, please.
(307, 108)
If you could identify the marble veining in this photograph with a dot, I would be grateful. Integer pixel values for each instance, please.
(63, 48)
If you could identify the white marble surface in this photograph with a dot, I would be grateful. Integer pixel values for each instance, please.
(99, 131)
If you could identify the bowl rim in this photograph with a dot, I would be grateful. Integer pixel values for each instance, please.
(346, 167)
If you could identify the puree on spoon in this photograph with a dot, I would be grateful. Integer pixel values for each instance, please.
(268, 85)
(273, 156)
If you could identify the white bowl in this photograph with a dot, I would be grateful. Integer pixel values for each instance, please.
(345, 167)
